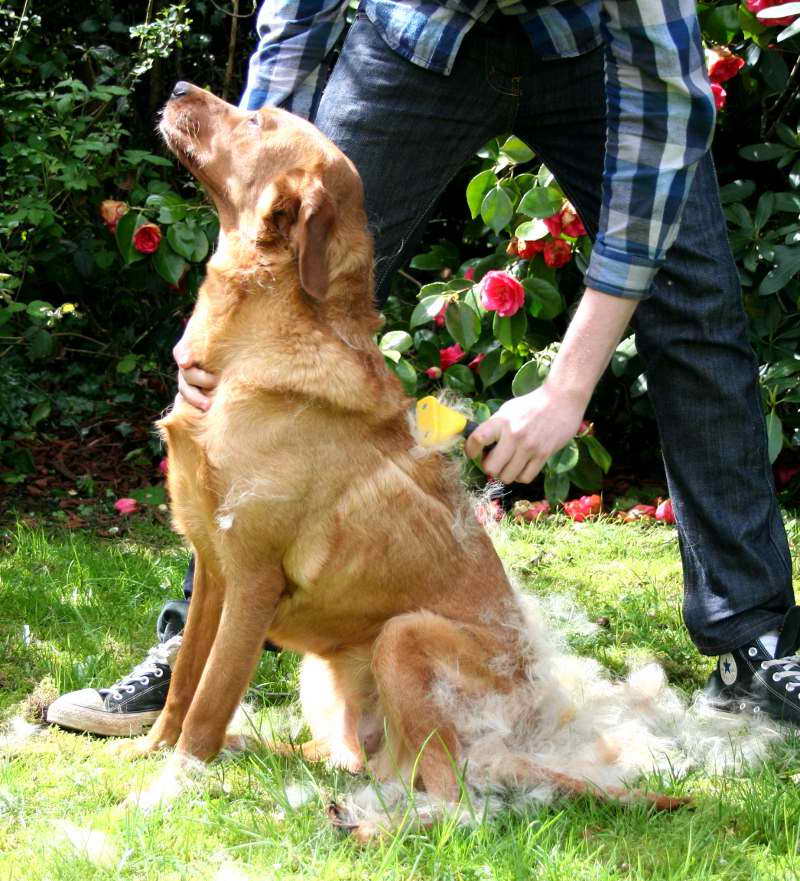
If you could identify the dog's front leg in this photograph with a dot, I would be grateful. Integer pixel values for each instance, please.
(201, 629)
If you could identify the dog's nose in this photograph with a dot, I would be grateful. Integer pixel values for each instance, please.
(180, 89)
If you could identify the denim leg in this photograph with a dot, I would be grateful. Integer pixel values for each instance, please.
(409, 131)
(702, 379)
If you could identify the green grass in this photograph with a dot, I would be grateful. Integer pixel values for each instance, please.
(90, 605)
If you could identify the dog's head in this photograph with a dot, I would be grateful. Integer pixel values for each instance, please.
(274, 178)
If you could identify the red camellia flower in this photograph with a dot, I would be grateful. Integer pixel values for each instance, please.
(434, 373)
(527, 512)
(720, 95)
(722, 64)
(475, 363)
(502, 293)
(664, 511)
(571, 224)
(469, 273)
(163, 466)
(126, 506)
(585, 428)
(451, 355)
(557, 253)
(527, 249)
(147, 238)
(756, 6)
(553, 225)
(784, 474)
(488, 512)
(439, 317)
(583, 508)
(111, 211)
(639, 512)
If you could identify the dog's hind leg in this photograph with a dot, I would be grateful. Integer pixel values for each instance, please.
(412, 654)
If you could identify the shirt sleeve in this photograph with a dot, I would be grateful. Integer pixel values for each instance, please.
(660, 122)
(294, 38)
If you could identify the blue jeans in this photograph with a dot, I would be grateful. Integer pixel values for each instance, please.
(409, 131)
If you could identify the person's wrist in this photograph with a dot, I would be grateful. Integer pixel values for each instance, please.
(568, 390)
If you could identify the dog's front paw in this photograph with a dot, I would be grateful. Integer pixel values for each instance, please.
(180, 773)
(134, 748)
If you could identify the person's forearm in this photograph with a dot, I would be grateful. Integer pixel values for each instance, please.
(593, 334)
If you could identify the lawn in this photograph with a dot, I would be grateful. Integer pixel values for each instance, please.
(80, 610)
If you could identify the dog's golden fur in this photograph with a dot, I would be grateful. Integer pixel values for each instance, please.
(313, 522)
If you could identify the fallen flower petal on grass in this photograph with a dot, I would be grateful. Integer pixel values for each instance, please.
(126, 506)
(664, 511)
(583, 508)
(525, 511)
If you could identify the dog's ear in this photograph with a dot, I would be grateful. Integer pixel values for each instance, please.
(312, 233)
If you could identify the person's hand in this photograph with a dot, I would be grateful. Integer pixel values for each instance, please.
(195, 385)
(527, 431)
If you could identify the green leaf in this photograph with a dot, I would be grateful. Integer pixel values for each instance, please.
(774, 435)
(459, 378)
(497, 209)
(789, 202)
(586, 474)
(40, 411)
(556, 487)
(150, 495)
(529, 377)
(39, 309)
(407, 375)
(545, 300)
(532, 230)
(600, 455)
(463, 324)
(774, 71)
(787, 266)
(764, 210)
(516, 150)
(737, 191)
(426, 310)
(181, 237)
(510, 331)
(127, 363)
(169, 265)
(565, 459)
(428, 290)
(494, 367)
(40, 343)
(722, 23)
(477, 188)
(126, 227)
(395, 341)
(541, 202)
(791, 30)
(764, 152)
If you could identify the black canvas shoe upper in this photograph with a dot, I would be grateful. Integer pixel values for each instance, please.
(749, 679)
(145, 687)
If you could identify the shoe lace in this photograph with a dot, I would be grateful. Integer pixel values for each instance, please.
(789, 669)
(162, 654)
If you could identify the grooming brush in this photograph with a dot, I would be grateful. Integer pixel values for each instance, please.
(438, 423)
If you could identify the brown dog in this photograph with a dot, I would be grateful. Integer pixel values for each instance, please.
(316, 520)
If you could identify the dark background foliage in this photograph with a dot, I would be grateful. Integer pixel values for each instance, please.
(87, 323)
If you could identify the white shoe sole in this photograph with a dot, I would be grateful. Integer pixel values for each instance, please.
(99, 722)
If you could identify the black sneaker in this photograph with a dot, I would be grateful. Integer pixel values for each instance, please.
(126, 708)
(750, 680)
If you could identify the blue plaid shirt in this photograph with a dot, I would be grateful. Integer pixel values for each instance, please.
(660, 110)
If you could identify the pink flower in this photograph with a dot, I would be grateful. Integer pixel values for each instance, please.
(488, 512)
(502, 293)
(439, 316)
(720, 95)
(126, 506)
(585, 428)
(147, 238)
(433, 373)
(583, 508)
(557, 253)
(469, 273)
(163, 466)
(756, 6)
(475, 363)
(784, 474)
(526, 249)
(527, 512)
(450, 356)
(664, 511)
(722, 64)
(553, 225)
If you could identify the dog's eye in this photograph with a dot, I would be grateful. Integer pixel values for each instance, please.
(255, 120)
